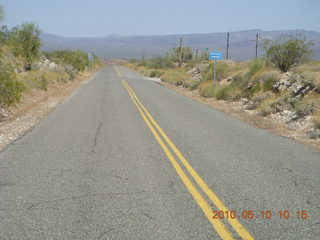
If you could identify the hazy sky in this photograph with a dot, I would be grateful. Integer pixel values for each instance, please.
(153, 17)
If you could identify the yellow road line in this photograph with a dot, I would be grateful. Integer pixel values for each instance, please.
(238, 227)
(117, 71)
(218, 225)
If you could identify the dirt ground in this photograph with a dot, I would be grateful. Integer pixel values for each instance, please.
(35, 105)
(234, 109)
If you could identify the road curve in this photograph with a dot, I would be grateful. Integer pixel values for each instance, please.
(126, 158)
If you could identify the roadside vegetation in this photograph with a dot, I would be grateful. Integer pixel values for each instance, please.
(284, 82)
(23, 66)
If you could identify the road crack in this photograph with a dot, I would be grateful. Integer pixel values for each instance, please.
(96, 135)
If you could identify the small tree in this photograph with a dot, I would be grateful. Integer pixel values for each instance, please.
(288, 53)
(26, 42)
(10, 88)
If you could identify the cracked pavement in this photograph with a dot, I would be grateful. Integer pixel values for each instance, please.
(92, 170)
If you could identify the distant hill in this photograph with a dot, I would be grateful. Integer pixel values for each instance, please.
(242, 43)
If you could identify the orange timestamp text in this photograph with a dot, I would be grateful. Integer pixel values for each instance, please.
(264, 214)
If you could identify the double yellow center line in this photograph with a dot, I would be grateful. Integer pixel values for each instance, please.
(207, 210)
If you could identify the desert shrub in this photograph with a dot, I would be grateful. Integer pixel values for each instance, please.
(133, 61)
(26, 42)
(254, 89)
(11, 88)
(268, 79)
(185, 53)
(190, 65)
(276, 103)
(155, 73)
(222, 71)
(77, 59)
(160, 62)
(239, 87)
(142, 63)
(288, 53)
(70, 71)
(222, 92)
(206, 89)
(175, 76)
(191, 84)
(41, 79)
(308, 105)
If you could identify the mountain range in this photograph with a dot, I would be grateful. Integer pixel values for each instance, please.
(242, 43)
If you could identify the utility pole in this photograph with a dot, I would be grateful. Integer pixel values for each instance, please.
(214, 74)
(228, 46)
(197, 51)
(180, 53)
(257, 44)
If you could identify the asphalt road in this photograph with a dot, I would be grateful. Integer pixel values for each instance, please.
(125, 158)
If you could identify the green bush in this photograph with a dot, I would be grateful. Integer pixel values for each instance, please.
(26, 42)
(155, 73)
(269, 79)
(77, 59)
(222, 92)
(207, 90)
(191, 84)
(288, 53)
(10, 88)
(160, 63)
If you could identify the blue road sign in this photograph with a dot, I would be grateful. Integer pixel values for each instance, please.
(215, 56)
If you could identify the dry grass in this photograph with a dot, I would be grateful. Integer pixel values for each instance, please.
(176, 76)
(43, 78)
(273, 104)
(309, 104)
(316, 119)
(313, 66)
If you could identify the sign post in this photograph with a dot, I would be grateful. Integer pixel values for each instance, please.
(215, 56)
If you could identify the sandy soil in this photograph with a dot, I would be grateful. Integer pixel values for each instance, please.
(35, 105)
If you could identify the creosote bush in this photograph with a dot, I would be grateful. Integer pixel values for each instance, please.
(25, 41)
(288, 53)
(11, 89)
(77, 59)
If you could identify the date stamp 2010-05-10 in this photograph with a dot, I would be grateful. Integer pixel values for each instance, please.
(264, 214)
